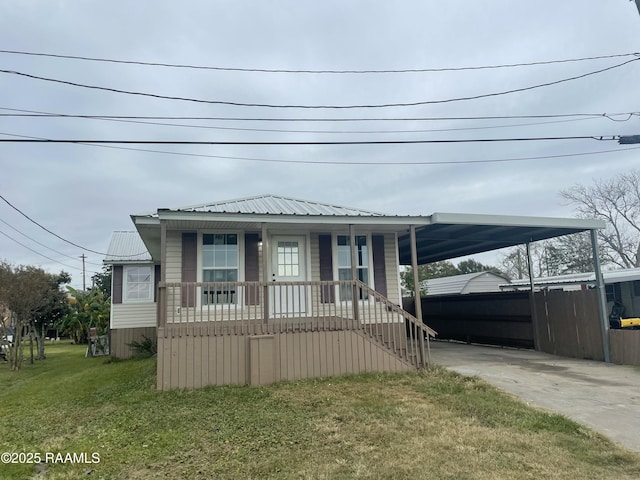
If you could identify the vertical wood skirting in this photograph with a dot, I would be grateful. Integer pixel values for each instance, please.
(122, 337)
(192, 361)
(625, 346)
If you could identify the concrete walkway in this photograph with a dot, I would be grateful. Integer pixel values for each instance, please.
(602, 396)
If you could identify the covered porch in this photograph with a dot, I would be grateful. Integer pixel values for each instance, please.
(258, 333)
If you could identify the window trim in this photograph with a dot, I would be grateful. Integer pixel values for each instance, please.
(239, 298)
(125, 283)
(336, 266)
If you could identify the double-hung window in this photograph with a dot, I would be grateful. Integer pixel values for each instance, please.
(220, 265)
(344, 264)
(138, 283)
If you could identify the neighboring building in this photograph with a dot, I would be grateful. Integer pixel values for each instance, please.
(269, 288)
(477, 282)
(622, 287)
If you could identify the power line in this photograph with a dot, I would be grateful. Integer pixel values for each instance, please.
(282, 70)
(42, 244)
(36, 114)
(305, 143)
(338, 132)
(329, 162)
(58, 236)
(301, 106)
(38, 253)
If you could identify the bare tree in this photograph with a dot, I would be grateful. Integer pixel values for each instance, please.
(617, 202)
(557, 256)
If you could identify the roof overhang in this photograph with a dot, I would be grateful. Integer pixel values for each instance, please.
(452, 235)
(440, 236)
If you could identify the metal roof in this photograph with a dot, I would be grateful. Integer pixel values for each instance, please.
(609, 276)
(457, 284)
(439, 236)
(276, 205)
(452, 235)
(126, 247)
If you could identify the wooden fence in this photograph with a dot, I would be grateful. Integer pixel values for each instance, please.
(568, 323)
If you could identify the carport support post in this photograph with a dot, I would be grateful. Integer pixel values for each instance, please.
(602, 296)
(416, 294)
(532, 301)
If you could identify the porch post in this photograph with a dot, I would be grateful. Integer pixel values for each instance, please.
(354, 271)
(602, 296)
(161, 316)
(532, 301)
(265, 274)
(416, 293)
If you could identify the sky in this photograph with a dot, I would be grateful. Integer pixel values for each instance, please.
(83, 192)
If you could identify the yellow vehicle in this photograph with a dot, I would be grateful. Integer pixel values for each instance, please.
(629, 322)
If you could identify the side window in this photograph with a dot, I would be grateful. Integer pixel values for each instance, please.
(138, 283)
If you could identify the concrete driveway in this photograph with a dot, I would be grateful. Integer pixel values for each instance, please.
(602, 396)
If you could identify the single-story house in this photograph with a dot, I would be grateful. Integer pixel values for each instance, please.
(270, 288)
(476, 282)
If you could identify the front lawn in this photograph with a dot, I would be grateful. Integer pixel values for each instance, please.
(435, 425)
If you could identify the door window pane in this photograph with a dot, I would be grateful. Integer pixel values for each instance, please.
(288, 255)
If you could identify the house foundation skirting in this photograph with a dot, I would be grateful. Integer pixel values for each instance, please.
(121, 338)
(191, 361)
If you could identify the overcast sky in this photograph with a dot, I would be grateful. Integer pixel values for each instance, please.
(84, 192)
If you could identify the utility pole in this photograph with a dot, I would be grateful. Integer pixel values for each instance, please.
(84, 285)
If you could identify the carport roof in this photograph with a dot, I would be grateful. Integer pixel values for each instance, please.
(452, 235)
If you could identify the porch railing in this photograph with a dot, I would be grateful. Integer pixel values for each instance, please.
(245, 308)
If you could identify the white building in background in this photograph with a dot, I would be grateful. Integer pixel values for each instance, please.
(478, 282)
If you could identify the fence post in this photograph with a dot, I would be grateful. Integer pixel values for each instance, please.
(602, 297)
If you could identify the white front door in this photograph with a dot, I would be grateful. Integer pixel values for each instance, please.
(288, 264)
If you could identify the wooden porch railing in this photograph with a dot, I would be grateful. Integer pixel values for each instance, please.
(239, 308)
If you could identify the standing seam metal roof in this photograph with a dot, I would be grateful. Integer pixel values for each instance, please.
(277, 205)
(126, 247)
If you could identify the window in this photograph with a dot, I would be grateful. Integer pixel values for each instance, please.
(344, 263)
(138, 283)
(219, 264)
(288, 259)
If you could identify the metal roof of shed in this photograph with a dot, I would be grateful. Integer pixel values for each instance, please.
(458, 284)
(609, 276)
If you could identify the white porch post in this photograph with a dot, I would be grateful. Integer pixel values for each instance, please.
(354, 271)
(161, 303)
(265, 274)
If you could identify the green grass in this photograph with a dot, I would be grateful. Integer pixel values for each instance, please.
(435, 425)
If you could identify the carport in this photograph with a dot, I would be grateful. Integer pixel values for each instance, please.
(443, 236)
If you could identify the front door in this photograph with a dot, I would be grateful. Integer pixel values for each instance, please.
(288, 266)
